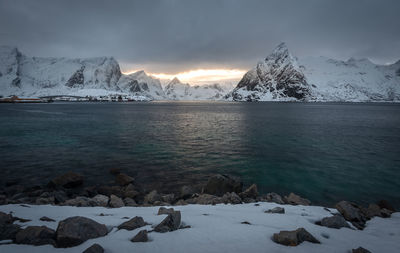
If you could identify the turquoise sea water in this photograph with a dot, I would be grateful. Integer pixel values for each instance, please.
(323, 151)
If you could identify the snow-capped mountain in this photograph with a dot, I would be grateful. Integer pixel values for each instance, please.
(139, 83)
(176, 90)
(281, 77)
(38, 76)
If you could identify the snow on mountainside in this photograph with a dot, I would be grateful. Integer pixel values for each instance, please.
(176, 90)
(139, 83)
(281, 77)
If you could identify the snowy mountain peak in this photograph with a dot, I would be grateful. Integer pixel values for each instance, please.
(277, 77)
(175, 81)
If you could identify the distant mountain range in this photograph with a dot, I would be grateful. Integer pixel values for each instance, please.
(280, 77)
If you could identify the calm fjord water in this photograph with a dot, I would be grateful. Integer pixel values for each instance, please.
(325, 152)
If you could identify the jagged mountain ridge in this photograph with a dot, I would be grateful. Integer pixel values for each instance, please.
(176, 90)
(281, 77)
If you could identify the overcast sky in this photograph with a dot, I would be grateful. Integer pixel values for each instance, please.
(175, 36)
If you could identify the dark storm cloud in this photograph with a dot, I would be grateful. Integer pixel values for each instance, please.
(177, 35)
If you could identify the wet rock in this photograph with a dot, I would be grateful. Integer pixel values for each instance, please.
(220, 184)
(95, 248)
(360, 250)
(76, 230)
(351, 212)
(130, 202)
(293, 238)
(232, 198)
(335, 221)
(168, 198)
(171, 223)
(205, 199)
(152, 197)
(276, 210)
(140, 237)
(35, 235)
(187, 191)
(114, 171)
(250, 192)
(130, 192)
(100, 200)
(116, 202)
(164, 210)
(123, 179)
(274, 197)
(79, 201)
(45, 218)
(5, 218)
(181, 202)
(67, 180)
(294, 199)
(384, 204)
(133, 223)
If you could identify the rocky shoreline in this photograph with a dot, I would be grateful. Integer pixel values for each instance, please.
(68, 190)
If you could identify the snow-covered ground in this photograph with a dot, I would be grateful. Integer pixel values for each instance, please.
(215, 229)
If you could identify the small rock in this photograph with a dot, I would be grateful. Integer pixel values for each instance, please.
(205, 199)
(35, 235)
(152, 197)
(164, 210)
(45, 201)
(170, 223)
(293, 238)
(249, 200)
(116, 202)
(276, 210)
(335, 221)
(187, 191)
(79, 201)
(45, 218)
(274, 197)
(123, 179)
(232, 198)
(130, 202)
(68, 180)
(114, 171)
(133, 223)
(140, 237)
(351, 212)
(360, 250)
(245, 222)
(101, 200)
(95, 248)
(168, 198)
(181, 202)
(220, 184)
(385, 204)
(250, 192)
(76, 230)
(294, 199)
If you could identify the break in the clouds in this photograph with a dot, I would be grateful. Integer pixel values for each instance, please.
(176, 36)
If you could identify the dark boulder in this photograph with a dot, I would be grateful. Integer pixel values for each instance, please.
(140, 237)
(133, 223)
(274, 197)
(123, 179)
(294, 238)
(171, 223)
(164, 210)
(67, 180)
(220, 184)
(232, 198)
(276, 210)
(36, 235)
(335, 221)
(294, 199)
(76, 230)
(116, 202)
(384, 204)
(45, 218)
(187, 191)
(8, 231)
(152, 197)
(250, 192)
(352, 212)
(95, 248)
(360, 250)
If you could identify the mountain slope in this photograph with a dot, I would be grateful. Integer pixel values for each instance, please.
(281, 77)
(139, 83)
